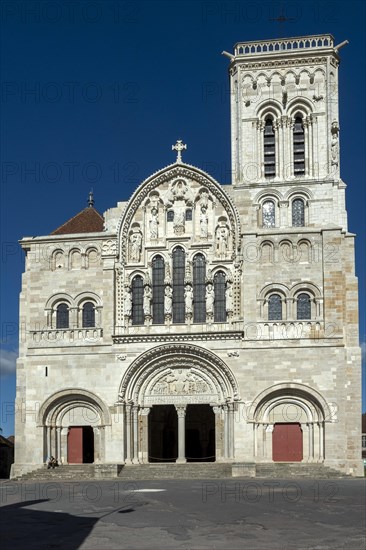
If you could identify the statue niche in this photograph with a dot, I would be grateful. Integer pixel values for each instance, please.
(179, 199)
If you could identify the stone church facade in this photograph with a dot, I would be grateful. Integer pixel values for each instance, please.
(206, 322)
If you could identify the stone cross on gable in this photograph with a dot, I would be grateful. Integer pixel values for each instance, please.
(179, 147)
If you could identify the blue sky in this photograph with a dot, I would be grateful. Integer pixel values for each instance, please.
(94, 93)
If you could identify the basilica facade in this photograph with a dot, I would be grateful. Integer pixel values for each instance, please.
(205, 322)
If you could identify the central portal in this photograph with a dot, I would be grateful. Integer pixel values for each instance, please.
(163, 434)
(200, 434)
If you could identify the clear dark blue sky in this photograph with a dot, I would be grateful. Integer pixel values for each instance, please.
(95, 93)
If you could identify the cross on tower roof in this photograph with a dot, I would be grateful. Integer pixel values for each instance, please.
(179, 147)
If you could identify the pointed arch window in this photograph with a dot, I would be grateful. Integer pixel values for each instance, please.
(303, 306)
(179, 313)
(88, 315)
(137, 288)
(220, 297)
(275, 308)
(158, 274)
(268, 214)
(298, 213)
(269, 142)
(62, 316)
(299, 147)
(199, 288)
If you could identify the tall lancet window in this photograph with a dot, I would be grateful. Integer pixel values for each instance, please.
(299, 147)
(269, 149)
(88, 315)
(158, 274)
(298, 213)
(220, 297)
(199, 288)
(62, 316)
(303, 306)
(179, 312)
(275, 308)
(268, 214)
(137, 300)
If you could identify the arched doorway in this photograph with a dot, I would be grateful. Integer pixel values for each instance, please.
(178, 404)
(73, 422)
(289, 424)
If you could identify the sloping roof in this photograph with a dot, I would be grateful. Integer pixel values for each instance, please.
(87, 221)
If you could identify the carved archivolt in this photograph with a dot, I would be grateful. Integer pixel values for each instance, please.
(178, 193)
(178, 371)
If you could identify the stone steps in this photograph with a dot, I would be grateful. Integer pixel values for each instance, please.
(208, 470)
(196, 470)
(287, 470)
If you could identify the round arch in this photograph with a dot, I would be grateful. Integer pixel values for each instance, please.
(141, 379)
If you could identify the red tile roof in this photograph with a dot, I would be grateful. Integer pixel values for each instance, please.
(86, 221)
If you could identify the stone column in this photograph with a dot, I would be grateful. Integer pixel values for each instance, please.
(128, 434)
(181, 412)
(144, 434)
(64, 434)
(231, 442)
(226, 431)
(135, 458)
(58, 443)
(218, 433)
(48, 440)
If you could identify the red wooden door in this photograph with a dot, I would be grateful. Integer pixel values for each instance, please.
(287, 443)
(75, 446)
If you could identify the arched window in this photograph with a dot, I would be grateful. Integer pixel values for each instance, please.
(179, 312)
(137, 288)
(62, 316)
(158, 274)
(298, 213)
(220, 297)
(199, 288)
(269, 149)
(275, 308)
(189, 215)
(303, 306)
(170, 216)
(268, 214)
(299, 147)
(88, 315)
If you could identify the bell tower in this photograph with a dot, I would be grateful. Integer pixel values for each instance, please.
(284, 111)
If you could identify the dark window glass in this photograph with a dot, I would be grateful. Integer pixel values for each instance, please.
(158, 274)
(188, 215)
(137, 300)
(88, 315)
(62, 316)
(303, 306)
(275, 308)
(170, 216)
(178, 285)
(268, 214)
(298, 213)
(199, 288)
(299, 147)
(220, 297)
(269, 150)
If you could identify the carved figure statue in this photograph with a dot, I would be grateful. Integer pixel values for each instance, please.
(222, 240)
(135, 246)
(128, 302)
(168, 300)
(188, 297)
(203, 222)
(179, 218)
(147, 300)
(210, 298)
(153, 223)
(229, 298)
(335, 149)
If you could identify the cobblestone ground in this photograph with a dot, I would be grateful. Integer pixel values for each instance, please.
(230, 514)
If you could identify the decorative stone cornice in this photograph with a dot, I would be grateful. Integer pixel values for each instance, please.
(146, 338)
